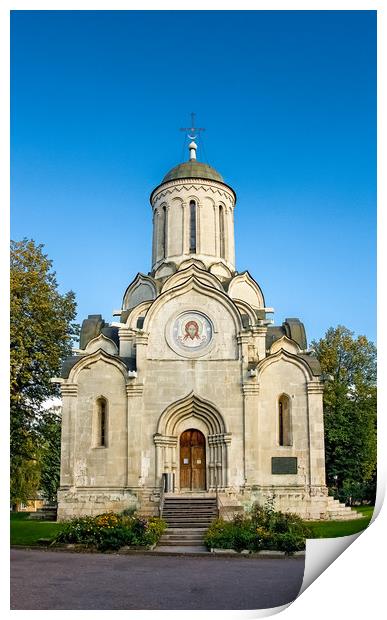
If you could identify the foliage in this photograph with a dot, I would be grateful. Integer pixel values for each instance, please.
(41, 334)
(349, 413)
(263, 528)
(25, 480)
(110, 531)
(48, 438)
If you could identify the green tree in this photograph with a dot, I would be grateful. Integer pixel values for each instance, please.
(48, 431)
(25, 478)
(42, 331)
(349, 410)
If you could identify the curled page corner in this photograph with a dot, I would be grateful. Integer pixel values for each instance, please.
(247, 614)
(322, 552)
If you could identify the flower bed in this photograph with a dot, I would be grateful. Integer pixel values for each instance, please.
(262, 529)
(111, 531)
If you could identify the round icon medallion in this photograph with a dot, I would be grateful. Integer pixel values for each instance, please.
(192, 331)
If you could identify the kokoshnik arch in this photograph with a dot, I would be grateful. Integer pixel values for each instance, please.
(194, 380)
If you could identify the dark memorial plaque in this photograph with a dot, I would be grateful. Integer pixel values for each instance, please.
(284, 465)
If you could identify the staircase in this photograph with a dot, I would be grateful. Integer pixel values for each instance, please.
(187, 517)
(340, 512)
(46, 513)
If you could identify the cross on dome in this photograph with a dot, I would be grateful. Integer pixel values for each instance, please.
(192, 130)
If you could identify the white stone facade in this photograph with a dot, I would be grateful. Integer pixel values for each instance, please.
(194, 350)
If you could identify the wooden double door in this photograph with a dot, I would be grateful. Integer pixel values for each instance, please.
(192, 460)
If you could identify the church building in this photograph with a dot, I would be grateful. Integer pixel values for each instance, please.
(193, 390)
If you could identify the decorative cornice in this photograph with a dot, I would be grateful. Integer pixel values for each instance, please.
(125, 334)
(142, 338)
(164, 440)
(259, 331)
(243, 338)
(177, 185)
(315, 387)
(250, 388)
(219, 439)
(134, 389)
(69, 389)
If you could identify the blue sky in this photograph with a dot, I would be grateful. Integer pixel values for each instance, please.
(288, 99)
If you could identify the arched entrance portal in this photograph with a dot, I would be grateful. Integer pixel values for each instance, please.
(192, 428)
(192, 460)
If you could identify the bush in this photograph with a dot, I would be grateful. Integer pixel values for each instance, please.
(263, 528)
(128, 512)
(236, 534)
(110, 531)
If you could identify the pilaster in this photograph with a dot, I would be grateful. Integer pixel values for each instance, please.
(315, 391)
(259, 334)
(134, 392)
(141, 345)
(250, 390)
(126, 337)
(69, 392)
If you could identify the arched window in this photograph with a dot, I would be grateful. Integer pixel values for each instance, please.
(101, 435)
(192, 227)
(284, 422)
(163, 231)
(221, 232)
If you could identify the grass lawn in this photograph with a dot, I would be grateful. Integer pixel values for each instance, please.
(24, 532)
(333, 529)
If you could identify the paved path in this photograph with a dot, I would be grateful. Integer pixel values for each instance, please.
(60, 580)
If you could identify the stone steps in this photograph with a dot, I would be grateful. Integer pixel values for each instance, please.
(187, 518)
(191, 514)
(44, 514)
(340, 512)
(189, 537)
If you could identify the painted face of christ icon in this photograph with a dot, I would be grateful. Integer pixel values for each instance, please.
(192, 330)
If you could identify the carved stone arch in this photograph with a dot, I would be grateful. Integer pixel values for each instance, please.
(192, 270)
(245, 309)
(161, 205)
(210, 200)
(165, 270)
(177, 199)
(195, 412)
(220, 270)
(101, 342)
(284, 355)
(86, 361)
(193, 283)
(286, 344)
(192, 261)
(244, 287)
(193, 197)
(142, 288)
(191, 405)
(136, 313)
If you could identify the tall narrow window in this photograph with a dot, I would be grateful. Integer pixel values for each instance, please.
(284, 429)
(163, 231)
(102, 423)
(192, 227)
(221, 232)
